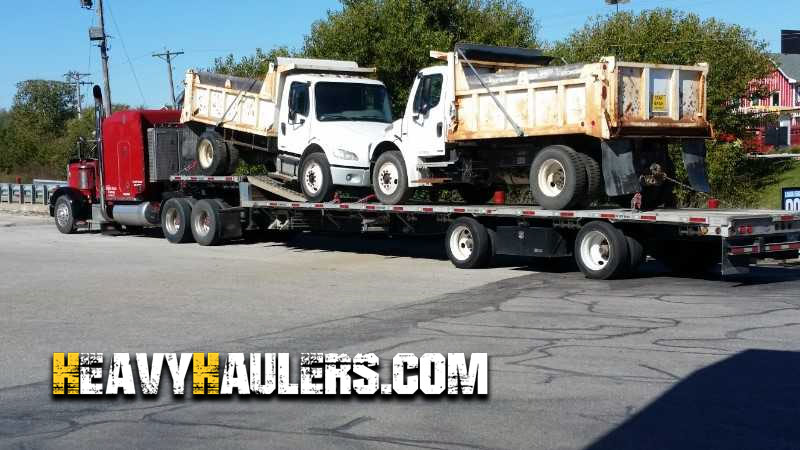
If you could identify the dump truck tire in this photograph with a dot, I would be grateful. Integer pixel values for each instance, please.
(315, 178)
(389, 179)
(558, 178)
(212, 154)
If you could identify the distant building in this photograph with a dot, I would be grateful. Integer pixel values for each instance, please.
(778, 94)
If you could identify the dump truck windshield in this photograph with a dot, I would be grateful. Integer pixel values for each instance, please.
(352, 101)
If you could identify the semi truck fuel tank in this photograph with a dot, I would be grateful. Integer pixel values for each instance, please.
(138, 214)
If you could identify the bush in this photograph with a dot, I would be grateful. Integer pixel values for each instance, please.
(735, 179)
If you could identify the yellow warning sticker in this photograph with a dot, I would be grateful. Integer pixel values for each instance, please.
(659, 103)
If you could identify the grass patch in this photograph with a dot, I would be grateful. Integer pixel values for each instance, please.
(770, 196)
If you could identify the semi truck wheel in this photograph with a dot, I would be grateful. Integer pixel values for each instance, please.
(558, 178)
(206, 222)
(601, 251)
(389, 178)
(176, 216)
(315, 178)
(212, 154)
(468, 244)
(65, 215)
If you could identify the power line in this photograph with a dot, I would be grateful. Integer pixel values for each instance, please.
(125, 50)
(167, 56)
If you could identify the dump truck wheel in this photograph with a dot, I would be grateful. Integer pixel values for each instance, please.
(176, 216)
(558, 178)
(601, 251)
(468, 244)
(212, 154)
(594, 179)
(206, 222)
(64, 215)
(315, 178)
(390, 180)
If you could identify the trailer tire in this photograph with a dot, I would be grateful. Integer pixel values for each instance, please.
(389, 178)
(176, 216)
(558, 178)
(206, 222)
(601, 251)
(468, 244)
(315, 178)
(636, 252)
(64, 215)
(212, 154)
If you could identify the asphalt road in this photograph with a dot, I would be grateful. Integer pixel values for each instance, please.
(650, 362)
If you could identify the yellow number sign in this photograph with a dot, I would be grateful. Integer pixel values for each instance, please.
(659, 103)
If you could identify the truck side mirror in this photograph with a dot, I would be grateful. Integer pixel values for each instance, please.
(424, 108)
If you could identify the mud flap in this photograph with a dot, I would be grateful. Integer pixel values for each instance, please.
(694, 159)
(619, 172)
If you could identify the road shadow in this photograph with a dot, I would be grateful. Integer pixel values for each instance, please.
(750, 400)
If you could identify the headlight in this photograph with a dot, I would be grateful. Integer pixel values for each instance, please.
(344, 154)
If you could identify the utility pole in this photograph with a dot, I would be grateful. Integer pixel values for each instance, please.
(98, 33)
(74, 77)
(167, 56)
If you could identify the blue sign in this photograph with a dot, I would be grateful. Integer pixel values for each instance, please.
(790, 199)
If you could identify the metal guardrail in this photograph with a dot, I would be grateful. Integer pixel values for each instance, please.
(36, 193)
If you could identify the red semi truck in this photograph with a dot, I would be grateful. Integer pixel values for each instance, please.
(142, 177)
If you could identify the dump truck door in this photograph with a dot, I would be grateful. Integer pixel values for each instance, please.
(424, 126)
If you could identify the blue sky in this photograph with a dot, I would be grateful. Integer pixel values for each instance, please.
(46, 38)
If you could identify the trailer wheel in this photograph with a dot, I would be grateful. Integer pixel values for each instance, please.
(636, 252)
(558, 178)
(601, 251)
(315, 178)
(390, 180)
(65, 215)
(206, 222)
(212, 154)
(468, 244)
(176, 216)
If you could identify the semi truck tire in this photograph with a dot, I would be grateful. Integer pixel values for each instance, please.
(315, 178)
(206, 222)
(389, 179)
(468, 244)
(558, 178)
(212, 154)
(601, 251)
(64, 215)
(176, 216)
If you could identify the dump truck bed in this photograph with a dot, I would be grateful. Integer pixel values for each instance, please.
(606, 99)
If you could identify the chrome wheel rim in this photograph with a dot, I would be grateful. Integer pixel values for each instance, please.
(202, 223)
(312, 178)
(172, 221)
(461, 243)
(595, 250)
(388, 178)
(205, 153)
(552, 178)
(62, 214)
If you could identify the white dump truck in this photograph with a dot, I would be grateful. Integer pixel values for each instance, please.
(309, 120)
(494, 116)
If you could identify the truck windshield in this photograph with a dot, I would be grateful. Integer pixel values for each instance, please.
(352, 101)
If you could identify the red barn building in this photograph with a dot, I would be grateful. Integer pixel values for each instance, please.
(782, 88)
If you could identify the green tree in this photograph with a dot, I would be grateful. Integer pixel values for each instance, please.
(734, 54)
(396, 36)
(254, 66)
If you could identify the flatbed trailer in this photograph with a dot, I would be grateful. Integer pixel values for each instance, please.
(606, 243)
